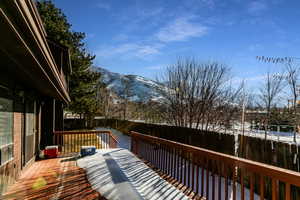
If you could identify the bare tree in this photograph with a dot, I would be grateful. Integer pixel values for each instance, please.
(125, 95)
(292, 71)
(269, 92)
(292, 78)
(197, 94)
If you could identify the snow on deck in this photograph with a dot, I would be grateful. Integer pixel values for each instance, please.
(117, 173)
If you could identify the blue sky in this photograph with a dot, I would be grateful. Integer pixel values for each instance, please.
(142, 36)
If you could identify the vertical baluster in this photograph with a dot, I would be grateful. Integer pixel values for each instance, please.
(274, 189)
(103, 141)
(213, 185)
(178, 164)
(181, 166)
(69, 143)
(287, 191)
(193, 172)
(81, 139)
(99, 140)
(251, 186)
(207, 180)
(234, 175)
(262, 187)
(202, 177)
(170, 161)
(156, 157)
(184, 169)
(142, 147)
(197, 176)
(162, 160)
(165, 159)
(147, 152)
(219, 181)
(63, 143)
(226, 183)
(107, 141)
(160, 157)
(87, 138)
(242, 185)
(72, 142)
(152, 153)
(189, 170)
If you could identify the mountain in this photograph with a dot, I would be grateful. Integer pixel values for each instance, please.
(142, 89)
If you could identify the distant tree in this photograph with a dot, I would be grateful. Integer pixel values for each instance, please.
(125, 95)
(83, 80)
(104, 100)
(292, 78)
(197, 94)
(269, 91)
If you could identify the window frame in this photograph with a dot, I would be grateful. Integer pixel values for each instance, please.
(6, 93)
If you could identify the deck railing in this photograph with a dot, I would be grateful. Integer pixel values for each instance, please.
(214, 175)
(71, 141)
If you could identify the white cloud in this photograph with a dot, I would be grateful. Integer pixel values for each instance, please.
(255, 47)
(257, 7)
(129, 50)
(181, 30)
(238, 80)
(209, 3)
(103, 5)
(155, 67)
(90, 35)
(121, 37)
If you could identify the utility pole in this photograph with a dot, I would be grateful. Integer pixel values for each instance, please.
(243, 109)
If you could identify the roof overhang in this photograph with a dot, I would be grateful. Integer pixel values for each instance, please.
(23, 40)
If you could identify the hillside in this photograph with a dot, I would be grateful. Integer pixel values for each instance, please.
(142, 89)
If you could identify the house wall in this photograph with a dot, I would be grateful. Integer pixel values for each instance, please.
(11, 170)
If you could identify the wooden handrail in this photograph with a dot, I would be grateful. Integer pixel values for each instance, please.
(217, 163)
(81, 131)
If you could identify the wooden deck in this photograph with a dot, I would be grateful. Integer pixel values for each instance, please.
(58, 178)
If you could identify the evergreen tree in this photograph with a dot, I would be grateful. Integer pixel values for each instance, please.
(83, 80)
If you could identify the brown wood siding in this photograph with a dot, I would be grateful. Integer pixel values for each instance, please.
(11, 171)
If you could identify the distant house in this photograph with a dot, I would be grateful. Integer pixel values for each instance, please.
(33, 87)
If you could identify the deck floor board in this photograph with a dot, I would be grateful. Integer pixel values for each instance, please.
(58, 178)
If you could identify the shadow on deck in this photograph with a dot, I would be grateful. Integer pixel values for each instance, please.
(58, 178)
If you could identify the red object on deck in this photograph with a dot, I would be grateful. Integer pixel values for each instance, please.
(51, 152)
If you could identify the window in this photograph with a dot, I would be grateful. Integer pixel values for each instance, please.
(6, 130)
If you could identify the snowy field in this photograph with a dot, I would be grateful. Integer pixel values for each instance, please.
(286, 137)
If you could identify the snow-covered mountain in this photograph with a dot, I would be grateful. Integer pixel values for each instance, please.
(142, 89)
